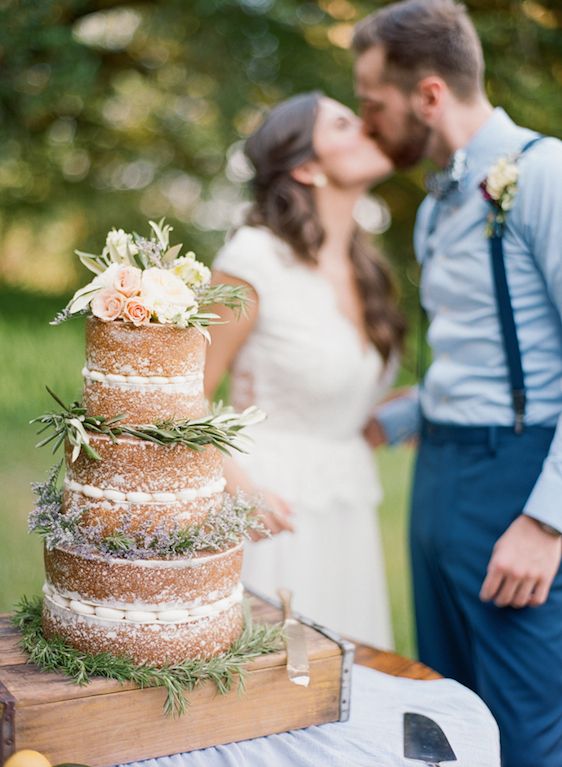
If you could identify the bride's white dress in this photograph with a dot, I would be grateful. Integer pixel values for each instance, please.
(306, 366)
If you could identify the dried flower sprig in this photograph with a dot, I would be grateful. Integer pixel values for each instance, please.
(221, 428)
(132, 540)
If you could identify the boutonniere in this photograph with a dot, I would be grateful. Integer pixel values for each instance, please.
(499, 189)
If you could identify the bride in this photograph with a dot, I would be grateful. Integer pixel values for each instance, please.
(315, 351)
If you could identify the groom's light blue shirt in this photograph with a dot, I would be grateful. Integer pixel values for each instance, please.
(468, 380)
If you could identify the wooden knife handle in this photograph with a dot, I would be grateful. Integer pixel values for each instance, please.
(286, 597)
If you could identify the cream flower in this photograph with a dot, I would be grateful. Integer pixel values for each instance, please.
(84, 296)
(107, 304)
(136, 312)
(128, 280)
(191, 271)
(162, 288)
(502, 179)
(120, 246)
(170, 314)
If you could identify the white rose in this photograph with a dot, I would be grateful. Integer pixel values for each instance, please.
(502, 176)
(120, 246)
(160, 288)
(191, 271)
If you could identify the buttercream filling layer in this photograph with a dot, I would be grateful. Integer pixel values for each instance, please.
(135, 496)
(186, 383)
(139, 613)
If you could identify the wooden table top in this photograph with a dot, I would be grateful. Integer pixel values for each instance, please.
(392, 663)
(365, 655)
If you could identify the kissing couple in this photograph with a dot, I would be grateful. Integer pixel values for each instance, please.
(320, 347)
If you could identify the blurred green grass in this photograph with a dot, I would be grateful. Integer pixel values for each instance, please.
(33, 355)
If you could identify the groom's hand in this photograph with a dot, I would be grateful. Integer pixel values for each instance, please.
(523, 565)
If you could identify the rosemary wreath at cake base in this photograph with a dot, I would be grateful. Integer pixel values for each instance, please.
(223, 670)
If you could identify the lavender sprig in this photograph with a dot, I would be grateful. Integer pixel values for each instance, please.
(130, 540)
(47, 519)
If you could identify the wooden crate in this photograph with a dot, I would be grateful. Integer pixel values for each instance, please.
(107, 723)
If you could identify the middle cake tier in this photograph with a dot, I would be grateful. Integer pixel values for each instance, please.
(139, 484)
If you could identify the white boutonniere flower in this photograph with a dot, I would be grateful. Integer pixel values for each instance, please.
(500, 189)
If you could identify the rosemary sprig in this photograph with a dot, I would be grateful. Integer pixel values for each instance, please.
(221, 428)
(235, 297)
(55, 655)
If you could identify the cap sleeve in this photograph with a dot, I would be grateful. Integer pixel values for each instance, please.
(251, 255)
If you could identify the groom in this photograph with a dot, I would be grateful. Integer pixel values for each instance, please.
(487, 496)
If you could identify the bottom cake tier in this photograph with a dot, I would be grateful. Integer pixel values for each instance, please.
(159, 612)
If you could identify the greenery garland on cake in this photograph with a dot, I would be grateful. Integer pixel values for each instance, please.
(144, 280)
(221, 428)
(179, 679)
(235, 521)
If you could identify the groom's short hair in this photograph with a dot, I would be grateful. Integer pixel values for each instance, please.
(422, 37)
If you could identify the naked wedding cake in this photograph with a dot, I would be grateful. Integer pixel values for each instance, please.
(143, 547)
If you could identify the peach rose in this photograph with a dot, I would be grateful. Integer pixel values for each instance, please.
(136, 312)
(107, 304)
(128, 280)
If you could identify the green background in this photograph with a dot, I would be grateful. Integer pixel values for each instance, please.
(115, 112)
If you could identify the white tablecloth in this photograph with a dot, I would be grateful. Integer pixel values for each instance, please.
(373, 735)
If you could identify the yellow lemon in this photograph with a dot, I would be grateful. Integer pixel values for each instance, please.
(27, 758)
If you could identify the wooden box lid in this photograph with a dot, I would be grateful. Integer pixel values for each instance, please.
(107, 723)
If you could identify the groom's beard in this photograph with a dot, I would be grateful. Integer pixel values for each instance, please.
(411, 147)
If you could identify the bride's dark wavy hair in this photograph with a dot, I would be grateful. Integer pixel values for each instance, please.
(282, 142)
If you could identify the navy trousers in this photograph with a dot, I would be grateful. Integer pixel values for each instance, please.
(470, 484)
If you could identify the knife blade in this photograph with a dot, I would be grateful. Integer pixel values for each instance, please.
(298, 669)
(425, 741)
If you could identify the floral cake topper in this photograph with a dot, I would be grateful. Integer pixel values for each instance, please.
(145, 280)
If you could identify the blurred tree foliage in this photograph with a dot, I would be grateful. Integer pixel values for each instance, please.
(114, 112)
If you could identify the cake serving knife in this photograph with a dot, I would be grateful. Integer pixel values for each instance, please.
(295, 641)
(425, 741)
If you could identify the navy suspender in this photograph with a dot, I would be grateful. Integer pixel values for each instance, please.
(507, 321)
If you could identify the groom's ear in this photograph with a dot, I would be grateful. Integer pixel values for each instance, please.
(428, 97)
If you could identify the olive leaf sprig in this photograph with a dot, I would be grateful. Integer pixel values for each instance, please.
(220, 428)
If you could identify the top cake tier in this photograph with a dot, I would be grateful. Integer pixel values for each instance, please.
(149, 373)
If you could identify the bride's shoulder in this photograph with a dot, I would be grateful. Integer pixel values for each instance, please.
(253, 254)
(257, 245)
(257, 239)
